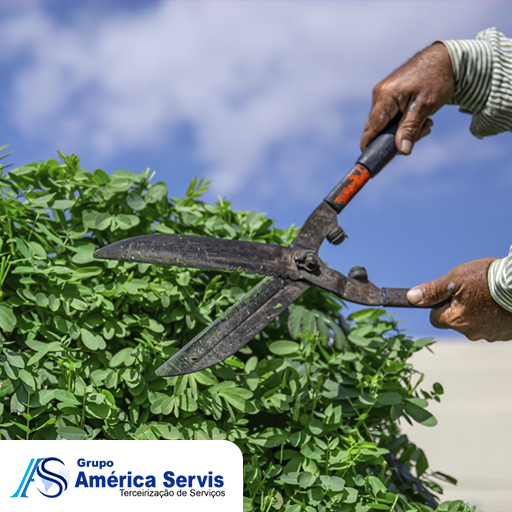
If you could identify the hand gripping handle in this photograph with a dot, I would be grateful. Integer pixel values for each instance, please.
(375, 157)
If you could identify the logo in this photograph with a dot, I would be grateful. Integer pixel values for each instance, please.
(50, 476)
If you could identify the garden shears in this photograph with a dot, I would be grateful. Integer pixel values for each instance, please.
(289, 271)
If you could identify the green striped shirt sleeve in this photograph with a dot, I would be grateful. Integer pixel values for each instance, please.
(482, 71)
(500, 281)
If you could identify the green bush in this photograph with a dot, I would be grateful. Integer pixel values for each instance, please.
(314, 402)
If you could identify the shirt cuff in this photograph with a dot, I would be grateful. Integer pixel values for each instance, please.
(472, 72)
(499, 279)
(483, 80)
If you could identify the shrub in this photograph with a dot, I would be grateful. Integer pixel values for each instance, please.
(313, 402)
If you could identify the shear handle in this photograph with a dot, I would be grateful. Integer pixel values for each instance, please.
(375, 157)
(353, 290)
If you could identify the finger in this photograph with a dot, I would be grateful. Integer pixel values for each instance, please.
(433, 292)
(410, 127)
(440, 317)
(383, 110)
(426, 129)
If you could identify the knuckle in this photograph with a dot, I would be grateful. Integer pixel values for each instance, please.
(430, 292)
(411, 126)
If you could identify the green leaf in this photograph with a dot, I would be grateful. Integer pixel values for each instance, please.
(7, 318)
(156, 193)
(306, 479)
(42, 300)
(424, 342)
(78, 304)
(28, 380)
(54, 303)
(421, 463)
(90, 340)
(316, 427)
(452, 506)
(124, 356)
(349, 495)
(284, 347)
(237, 397)
(248, 505)
(135, 201)
(14, 359)
(66, 396)
(290, 478)
(389, 398)
(72, 433)
(86, 273)
(420, 415)
(438, 388)
(62, 204)
(332, 483)
(126, 221)
(376, 486)
(100, 177)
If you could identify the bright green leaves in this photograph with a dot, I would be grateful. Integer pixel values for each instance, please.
(314, 402)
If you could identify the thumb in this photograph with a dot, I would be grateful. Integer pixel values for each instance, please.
(431, 293)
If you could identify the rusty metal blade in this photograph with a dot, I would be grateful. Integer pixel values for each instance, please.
(204, 253)
(235, 327)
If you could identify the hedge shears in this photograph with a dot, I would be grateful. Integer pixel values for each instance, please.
(289, 271)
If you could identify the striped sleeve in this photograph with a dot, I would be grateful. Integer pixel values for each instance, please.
(482, 71)
(499, 278)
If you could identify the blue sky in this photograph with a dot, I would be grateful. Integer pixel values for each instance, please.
(268, 100)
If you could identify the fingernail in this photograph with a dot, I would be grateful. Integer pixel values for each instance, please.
(415, 296)
(406, 147)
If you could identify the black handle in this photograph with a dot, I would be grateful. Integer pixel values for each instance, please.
(375, 157)
(381, 150)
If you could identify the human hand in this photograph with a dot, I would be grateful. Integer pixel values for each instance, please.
(472, 311)
(417, 89)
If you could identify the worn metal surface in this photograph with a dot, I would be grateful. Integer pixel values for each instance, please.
(205, 253)
(235, 327)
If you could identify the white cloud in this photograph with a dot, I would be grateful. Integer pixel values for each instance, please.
(247, 77)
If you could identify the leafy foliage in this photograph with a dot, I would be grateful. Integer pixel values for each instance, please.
(314, 402)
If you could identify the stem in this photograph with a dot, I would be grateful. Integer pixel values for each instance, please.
(28, 417)
(82, 422)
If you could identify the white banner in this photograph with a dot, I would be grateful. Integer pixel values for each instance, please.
(130, 475)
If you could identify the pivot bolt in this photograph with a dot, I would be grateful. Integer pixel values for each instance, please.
(359, 274)
(307, 261)
(337, 235)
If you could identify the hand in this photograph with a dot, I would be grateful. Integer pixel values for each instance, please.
(472, 311)
(417, 89)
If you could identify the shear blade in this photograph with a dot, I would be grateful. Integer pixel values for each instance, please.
(235, 327)
(201, 252)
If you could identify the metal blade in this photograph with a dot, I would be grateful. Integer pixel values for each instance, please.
(235, 327)
(204, 253)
